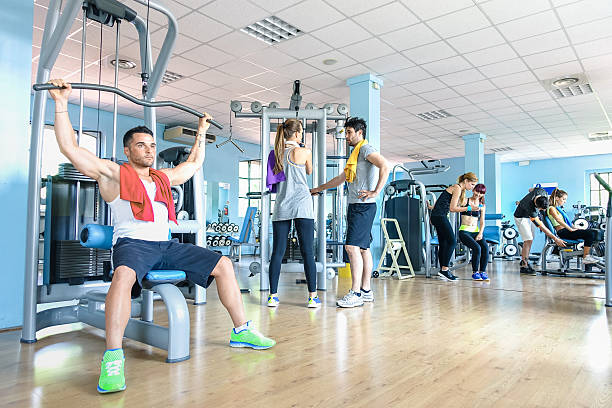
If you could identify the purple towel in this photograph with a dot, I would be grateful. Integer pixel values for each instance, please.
(273, 179)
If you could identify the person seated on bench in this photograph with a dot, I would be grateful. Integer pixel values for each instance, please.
(561, 223)
(527, 212)
(142, 207)
(471, 230)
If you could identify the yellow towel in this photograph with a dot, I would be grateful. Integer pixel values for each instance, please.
(351, 164)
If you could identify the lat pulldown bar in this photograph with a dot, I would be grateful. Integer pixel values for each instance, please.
(141, 102)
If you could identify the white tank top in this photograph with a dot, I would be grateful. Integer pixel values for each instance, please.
(126, 226)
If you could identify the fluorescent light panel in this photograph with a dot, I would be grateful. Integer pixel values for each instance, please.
(271, 30)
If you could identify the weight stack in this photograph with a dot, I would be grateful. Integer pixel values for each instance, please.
(407, 211)
(73, 263)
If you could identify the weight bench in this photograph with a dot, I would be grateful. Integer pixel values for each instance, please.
(492, 234)
(175, 337)
(248, 225)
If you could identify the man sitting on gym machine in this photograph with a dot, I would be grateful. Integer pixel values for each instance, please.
(142, 207)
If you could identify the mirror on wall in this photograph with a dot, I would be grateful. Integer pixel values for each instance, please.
(217, 202)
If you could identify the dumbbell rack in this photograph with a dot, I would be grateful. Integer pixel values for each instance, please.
(215, 234)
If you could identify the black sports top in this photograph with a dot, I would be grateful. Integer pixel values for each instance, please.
(442, 207)
(471, 213)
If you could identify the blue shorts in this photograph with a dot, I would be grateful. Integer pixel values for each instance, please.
(144, 256)
(359, 220)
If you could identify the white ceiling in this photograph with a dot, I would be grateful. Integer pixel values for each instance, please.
(481, 61)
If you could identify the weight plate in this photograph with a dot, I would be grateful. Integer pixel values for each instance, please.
(510, 233)
(581, 224)
(510, 250)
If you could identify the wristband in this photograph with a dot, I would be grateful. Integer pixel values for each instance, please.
(469, 207)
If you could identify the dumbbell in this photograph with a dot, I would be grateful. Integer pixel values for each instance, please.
(224, 227)
(213, 226)
(215, 241)
(217, 228)
(228, 241)
(236, 228)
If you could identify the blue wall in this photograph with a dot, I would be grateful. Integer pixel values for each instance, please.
(15, 69)
(571, 173)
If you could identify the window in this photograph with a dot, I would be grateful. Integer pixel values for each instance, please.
(598, 195)
(249, 180)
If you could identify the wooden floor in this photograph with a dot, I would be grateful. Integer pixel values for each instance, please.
(520, 341)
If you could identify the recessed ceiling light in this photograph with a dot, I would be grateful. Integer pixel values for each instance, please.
(439, 114)
(271, 30)
(124, 63)
(329, 61)
(565, 81)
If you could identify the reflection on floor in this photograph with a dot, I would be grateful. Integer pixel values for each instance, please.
(518, 341)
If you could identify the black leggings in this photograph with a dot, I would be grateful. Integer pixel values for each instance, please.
(305, 232)
(446, 239)
(588, 235)
(480, 250)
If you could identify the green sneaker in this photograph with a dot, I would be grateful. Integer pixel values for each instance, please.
(250, 337)
(112, 377)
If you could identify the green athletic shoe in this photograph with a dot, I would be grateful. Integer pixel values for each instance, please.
(250, 337)
(112, 377)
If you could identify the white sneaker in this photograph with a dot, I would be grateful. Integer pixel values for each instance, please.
(590, 259)
(273, 301)
(350, 300)
(367, 296)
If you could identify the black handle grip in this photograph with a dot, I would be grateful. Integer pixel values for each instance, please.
(133, 99)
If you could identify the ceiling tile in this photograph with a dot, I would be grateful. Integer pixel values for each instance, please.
(534, 97)
(341, 34)
(343, 60)
(214, 77)
(486, 96)
(389, 63)
(558, 70)
(303, 46)
(184, 66)
(270, 58)
(386, 18)
(514, 79)
(460, 22)
(584, 11)
(407, 75)
(594, 48)
(447, 66)
(529, 26)
(431, 52)
(452, 102)
(189, 84)
(241, 69)
(410, 37)
(235, 13)
(425, 85)
(590, 31)
(348, 72)
(238, 43)
(271, 79)
(490, 55)
(601, 63)
(503, 68)
(461, 77)
(325, 15)
(368, 49)
(506, 10)
(553, 57)
(409, 100)
(191, 25)
(523, 89)
(439, 95)
(477, 40)
(539, 43)
(352, 7)
(424, 9)
(271, 5)
(300, 69)
(209, 56)
(474, 87)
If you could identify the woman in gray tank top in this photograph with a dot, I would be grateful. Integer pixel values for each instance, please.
(293, 203)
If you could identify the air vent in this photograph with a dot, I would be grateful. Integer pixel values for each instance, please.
(501, 149)
(567, 86)
(418, 156)
(271, 30)
(600, 136)
(180, 134)
(170, 76)
(433, 115)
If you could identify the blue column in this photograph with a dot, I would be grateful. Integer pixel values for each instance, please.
(15, 76)
(492, 180)
(474, 154)
(365, 103)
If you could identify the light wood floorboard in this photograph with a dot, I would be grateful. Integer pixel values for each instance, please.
(519, 341)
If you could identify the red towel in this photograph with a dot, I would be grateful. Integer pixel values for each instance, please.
(132, 190)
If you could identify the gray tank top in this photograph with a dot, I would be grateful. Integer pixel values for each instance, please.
(293, 199)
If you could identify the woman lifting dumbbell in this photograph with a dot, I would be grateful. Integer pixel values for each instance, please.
(561, 223)
(449, 202)
(471, 230)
